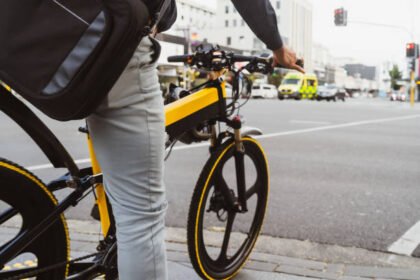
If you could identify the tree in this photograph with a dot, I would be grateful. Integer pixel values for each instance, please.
(395, 75)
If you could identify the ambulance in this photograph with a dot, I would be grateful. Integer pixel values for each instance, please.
(298, 86)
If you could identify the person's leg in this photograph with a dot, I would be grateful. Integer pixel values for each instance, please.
(128, 137)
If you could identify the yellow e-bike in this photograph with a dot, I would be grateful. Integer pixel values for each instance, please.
(227, 206)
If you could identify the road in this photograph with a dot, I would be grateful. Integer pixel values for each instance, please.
(341, 173)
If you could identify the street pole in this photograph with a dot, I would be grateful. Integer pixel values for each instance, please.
(412, 89)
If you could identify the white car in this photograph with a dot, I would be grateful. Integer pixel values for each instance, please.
(327, 92)
(397, 96)
(264, 91)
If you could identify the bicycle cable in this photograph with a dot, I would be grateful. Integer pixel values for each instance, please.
(171, 148)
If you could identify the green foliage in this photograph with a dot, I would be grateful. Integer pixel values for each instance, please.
(395, 75)
(275, 79)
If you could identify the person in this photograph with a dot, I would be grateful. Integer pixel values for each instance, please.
(128, 135)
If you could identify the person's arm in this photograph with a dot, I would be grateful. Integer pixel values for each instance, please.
(261, 18)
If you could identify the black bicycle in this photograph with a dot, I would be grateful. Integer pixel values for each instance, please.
(228, 202)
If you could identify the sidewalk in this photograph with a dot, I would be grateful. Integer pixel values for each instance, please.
(275, 258)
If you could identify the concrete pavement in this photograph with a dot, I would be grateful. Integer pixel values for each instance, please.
(275, 258)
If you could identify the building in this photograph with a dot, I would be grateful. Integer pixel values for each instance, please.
(365, 72)
(192, 19)
(294, 18)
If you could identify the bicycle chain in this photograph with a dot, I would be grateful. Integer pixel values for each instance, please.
(51, 267)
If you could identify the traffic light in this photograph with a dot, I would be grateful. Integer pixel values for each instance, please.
(340, 17)
(412, 50)
(412, 64)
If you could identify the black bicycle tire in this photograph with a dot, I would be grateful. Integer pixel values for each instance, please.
(25, 192)
(195, 249)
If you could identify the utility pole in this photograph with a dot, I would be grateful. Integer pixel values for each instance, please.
(412, 54)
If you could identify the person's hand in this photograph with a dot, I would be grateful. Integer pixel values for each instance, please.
(286, 58)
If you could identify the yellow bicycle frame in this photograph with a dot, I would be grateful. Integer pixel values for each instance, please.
(193, 108)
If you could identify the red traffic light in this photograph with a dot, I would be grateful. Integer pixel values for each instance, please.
(340, 17)
(412, 50)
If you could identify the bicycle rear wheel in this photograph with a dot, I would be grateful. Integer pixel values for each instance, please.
(24, 202)
(220, 238)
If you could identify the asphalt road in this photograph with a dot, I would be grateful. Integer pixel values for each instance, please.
(341, 173)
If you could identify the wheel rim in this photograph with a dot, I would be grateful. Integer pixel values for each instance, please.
(227, 237)
(24, 201)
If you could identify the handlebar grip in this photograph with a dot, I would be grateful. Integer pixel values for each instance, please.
(180, 58)
(300, 63)
(243, 58)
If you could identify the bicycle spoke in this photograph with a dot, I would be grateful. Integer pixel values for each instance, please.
(7, 215)
(253, 190)
(223, 253)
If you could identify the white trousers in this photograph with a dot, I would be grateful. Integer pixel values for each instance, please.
(128, 135)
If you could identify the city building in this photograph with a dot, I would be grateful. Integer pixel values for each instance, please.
(193, 17)
(294, 18)
(365, 72)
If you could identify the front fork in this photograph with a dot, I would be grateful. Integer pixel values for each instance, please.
(239, 154)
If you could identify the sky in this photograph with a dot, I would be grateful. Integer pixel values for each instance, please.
(366, 43)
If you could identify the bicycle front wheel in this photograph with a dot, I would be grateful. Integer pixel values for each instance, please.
(220, 238)
(24, 202)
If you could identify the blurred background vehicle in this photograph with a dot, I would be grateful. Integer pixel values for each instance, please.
(264, 91)
(327, 92)
(298, 86)
(397, 96)
(341, 94)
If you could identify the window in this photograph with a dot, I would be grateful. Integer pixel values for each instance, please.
(227, 9)
(226, 23)
(291, 82)
(242, 23)
(278, 5)
(228, 41)
(234, 23)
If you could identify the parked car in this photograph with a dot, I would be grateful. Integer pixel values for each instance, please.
(398, 96)
(341, 94)
(264, 91)
(327, 92)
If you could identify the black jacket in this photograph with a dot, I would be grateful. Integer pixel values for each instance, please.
(258, 14)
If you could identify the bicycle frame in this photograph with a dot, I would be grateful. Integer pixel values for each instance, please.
(208, 103)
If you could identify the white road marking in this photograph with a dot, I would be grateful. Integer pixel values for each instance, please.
(337, 126)
(309, 122)
(271, 135)
(408, 242)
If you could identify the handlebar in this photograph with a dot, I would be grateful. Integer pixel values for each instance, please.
(216, 59)
(180, 58)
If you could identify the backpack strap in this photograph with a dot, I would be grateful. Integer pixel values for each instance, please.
(157, 17)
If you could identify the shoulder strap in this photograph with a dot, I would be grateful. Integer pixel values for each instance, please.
(157, 17)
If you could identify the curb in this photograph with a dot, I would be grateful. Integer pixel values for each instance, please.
(276, 258)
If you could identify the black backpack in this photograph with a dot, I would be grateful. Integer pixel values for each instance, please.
(64, 56)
